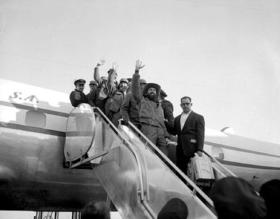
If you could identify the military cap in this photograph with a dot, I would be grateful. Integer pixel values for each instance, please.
(104, 78)
(82, 81)
(142, 81)
(123, 80)
(92, 82)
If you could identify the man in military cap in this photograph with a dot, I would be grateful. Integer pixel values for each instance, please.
(92, 92)
(77, 96)
(114, 103)
(106, 85)
(92, 85)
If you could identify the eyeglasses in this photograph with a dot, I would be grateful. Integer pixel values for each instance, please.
(81, 85)
(186, 104)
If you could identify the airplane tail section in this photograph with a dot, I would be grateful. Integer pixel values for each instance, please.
(138, 178)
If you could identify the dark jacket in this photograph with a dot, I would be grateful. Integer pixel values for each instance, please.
(191, 138)
(77, 97)
(270, 191)
(235, 198)
(91, 97)
(130, 109)
(167, 107)
(113, 106)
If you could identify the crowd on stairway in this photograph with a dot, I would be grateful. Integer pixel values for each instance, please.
(145, 106)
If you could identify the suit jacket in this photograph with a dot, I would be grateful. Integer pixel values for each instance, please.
(191, 138)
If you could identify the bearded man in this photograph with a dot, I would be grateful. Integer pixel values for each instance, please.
(151, 115)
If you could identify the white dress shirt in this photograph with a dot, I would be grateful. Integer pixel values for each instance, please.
(183, 119)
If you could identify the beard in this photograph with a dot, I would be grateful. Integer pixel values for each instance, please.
(152, 97)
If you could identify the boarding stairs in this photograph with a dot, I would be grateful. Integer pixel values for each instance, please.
(137, 176)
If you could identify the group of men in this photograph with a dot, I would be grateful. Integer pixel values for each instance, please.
(144, 105)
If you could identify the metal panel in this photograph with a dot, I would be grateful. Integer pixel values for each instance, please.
(137, 181)
(80, 132)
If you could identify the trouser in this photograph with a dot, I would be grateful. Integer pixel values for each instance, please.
(182, 160)
(156, 135)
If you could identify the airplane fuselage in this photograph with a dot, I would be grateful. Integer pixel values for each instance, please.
(33, 125)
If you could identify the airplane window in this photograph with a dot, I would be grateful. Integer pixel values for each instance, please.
(36, 119)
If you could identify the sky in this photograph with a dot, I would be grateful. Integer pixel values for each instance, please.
(224, 54)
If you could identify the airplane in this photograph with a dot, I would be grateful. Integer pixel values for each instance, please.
(43, 158)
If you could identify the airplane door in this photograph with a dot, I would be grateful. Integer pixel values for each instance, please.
(80, 132)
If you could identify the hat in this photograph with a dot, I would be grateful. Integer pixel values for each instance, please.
(235, 198)
(174, 209)
(123, 80)
(148, 86)
(79, 81)
(143, 81)
(104, 78)
(92, 82)
(162, 93)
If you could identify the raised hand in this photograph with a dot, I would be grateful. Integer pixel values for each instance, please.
(101, 62)
(199, 153)
(115, 66)
(139, 65)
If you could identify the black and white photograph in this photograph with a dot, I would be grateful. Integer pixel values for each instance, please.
(139, 109)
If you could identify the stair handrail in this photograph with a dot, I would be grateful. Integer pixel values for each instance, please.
(219, 164)
(195, 188)
(129, 147)
(142, 171)
(67, 122)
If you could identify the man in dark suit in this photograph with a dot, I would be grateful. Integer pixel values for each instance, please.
(189, 128)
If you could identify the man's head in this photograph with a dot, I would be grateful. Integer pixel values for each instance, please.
(162, 94)
(80, 84)
(142, 83)
(98, 210)
(186, 104)
(123, 85)
(151, 90)
(152, 94)
(92, 85)
(175, 208)
(234, 197)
